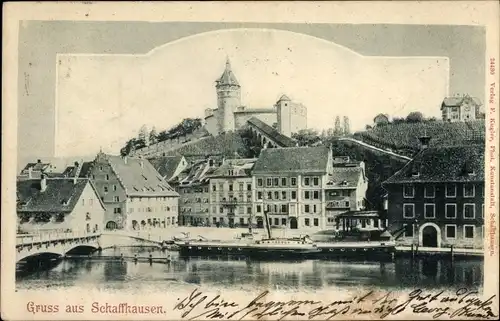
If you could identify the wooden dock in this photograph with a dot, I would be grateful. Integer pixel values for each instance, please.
(439, 251)
(122, 258)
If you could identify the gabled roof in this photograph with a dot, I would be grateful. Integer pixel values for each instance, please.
(70, 171)
(61, 195)
(284, 98)
(195, 174)
(139, 180)
(345, 177)
(280, 139)
(166, 165)
(227, 77)
(293, 159)
(443, 164)
(458, 101)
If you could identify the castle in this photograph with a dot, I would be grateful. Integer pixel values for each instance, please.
(230, 115)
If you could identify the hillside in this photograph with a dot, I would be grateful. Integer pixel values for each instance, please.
(403, 137)
(224, 144)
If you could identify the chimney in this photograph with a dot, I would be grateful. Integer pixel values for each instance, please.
(43, 183)
(30, 172)
(424, 141)
(39, 161)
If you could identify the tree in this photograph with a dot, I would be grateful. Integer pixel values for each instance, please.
(414, 117)
(337, 129)
(153, 136)
(142, 137)
(306, 137)
(347, 126)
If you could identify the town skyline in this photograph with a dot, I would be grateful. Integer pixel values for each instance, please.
(268, 98)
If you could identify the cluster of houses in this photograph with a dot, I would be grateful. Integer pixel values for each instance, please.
(435, 200)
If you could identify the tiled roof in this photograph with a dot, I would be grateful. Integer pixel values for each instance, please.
(443, 164)
(345, 177)
(61, 195)
(70, 171)
(139, 180)
(228, 77)
(166, 165)
(294, 159)
(195, 174)
(279, 139)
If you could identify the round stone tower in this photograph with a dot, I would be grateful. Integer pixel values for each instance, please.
(228, 99)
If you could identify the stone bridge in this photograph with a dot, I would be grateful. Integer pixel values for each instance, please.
(60, 244)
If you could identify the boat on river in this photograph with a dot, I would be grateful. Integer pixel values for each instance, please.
(247, 245)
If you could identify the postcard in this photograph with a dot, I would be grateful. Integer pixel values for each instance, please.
(250, 160)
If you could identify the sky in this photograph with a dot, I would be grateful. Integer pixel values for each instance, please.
(328, 67)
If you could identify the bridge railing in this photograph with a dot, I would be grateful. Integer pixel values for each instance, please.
(23, 239)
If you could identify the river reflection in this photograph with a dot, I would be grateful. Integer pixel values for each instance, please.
(183, 273)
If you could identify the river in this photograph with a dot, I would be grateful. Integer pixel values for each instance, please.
(243, 274)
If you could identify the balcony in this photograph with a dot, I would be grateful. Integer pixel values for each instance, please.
(229, 202)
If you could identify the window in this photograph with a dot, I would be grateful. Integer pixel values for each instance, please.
(276, 221)
(429, 192)
(306, 181)
(408, 191)
(307, 195)
(275, 208)
(469, 211)
(306, 208)
(451, 190)
(469, 231)
(214, 188)
(249, 187)
(83, 202)
(114, 188)
(306, 222)
(116, 198)
(284, 208)
(214, 220)
(241, 186)
(314, 208)
(269, 195)
(316, 182)
(469, 190)
(117, 210)
(347, 204)
(249, 210)
(408, 210)
(316, 195)
(87, 216)
(450, 211)
(408, 230)
(429, 211)
(276, 181)
(100, 168)
(316, 222)
(294, 195)
(259, 209)
(269, 182)
(259, 182)
(230, 187)
(259, 195)
(283, 221)
(107, 177)
(283, 181)
(276, 195)
(283, 195)
(293, 181)
(451, 231)
(105, 189)
(221, 210)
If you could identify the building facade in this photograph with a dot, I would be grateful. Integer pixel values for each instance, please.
(58, 205)
(345, 190)
(438, 198)
(192, 184)
(463, 108)
(231, 194)
(135, 195)
(290, 184)
(230, 114)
